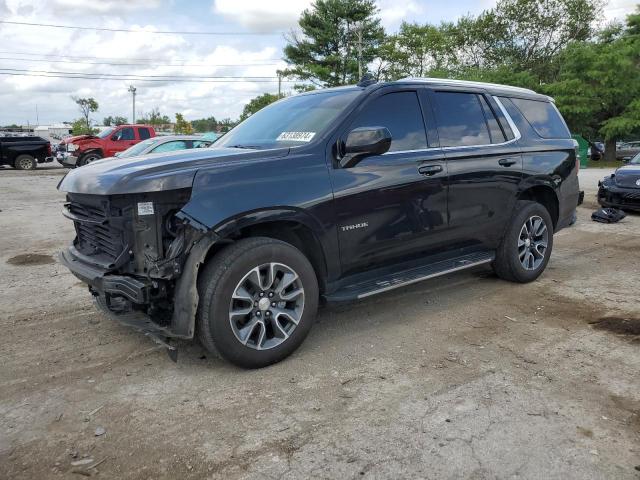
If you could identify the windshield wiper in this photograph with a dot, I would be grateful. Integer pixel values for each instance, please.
(249, 147)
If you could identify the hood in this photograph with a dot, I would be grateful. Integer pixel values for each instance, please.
(628, 176)
(155, 172)
(77, 138)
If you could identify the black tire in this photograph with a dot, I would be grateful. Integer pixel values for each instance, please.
(508, 264)
(88, 158)
(218, 282)
(25, 162)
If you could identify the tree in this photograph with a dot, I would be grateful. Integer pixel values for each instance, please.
(87, 106)
(336, 35)
(117, 120)
(154, 118)
(205, 124)
(79, 127)
(598, 91)
(256, 104)
(182, 126)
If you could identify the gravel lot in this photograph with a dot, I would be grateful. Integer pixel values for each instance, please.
(462, 377)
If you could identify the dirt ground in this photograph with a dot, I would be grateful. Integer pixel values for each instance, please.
(466, 376)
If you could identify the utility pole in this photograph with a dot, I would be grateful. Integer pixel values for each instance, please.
(279, 85)
(359, 50)
(37, 116)
(133, 89)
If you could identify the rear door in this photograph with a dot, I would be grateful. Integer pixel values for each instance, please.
(391, 207)
(484, 165)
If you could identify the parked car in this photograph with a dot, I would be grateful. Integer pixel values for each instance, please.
(336, 194)
(621, 189)
(24, 153)
(627, 150)
(169, 143)
(83, 149)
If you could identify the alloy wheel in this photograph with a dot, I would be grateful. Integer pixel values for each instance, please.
(266, 306)
(532, 242)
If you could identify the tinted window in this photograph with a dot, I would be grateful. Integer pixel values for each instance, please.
(170, 146)
(543, 117)
(125, 134)
(144, 133)
(460, 120)
(496, 133)
(201, 144)
(400, 113)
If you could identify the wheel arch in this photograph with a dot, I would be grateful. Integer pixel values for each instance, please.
(547, 197)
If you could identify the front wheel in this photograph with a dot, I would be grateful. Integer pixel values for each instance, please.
(258, 302)
(526, 247)
(88, 158)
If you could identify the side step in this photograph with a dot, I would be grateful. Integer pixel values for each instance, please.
(367, 288)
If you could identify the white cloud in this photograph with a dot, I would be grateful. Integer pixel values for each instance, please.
(260, 15)
(393, 12)
(619, 9)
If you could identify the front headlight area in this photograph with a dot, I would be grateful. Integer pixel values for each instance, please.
(71, 147)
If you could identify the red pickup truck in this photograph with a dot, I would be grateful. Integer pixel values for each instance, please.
(82, 149)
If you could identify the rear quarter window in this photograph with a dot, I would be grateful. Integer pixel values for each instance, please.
(543, 117)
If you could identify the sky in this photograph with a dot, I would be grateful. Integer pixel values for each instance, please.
(251, 47)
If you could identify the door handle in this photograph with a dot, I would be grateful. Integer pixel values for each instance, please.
(429, 170)
(507, 162)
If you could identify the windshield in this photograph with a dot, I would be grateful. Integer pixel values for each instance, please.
(106, 132)
(635, 160)
(137, 149)
(289, 122)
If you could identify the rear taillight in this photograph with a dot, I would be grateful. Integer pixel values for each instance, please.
(576, 147)
(49, 149)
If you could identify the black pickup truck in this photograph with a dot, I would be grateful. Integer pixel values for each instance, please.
(329, 196)
(24, 153)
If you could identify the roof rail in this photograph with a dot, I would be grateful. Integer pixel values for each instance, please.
(466, 83)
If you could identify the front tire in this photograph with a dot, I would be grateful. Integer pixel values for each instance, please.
(88, 158)
(25, 162)
(258, 302)
(526, 247)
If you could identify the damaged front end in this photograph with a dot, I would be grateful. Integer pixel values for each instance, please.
(139, 255)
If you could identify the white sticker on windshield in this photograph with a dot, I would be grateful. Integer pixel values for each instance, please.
(145, 208)
(295, 136)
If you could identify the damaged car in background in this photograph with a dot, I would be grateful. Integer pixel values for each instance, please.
(621, 189)
(331, 195)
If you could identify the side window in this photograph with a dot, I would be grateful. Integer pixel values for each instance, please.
(400, 112)
(126, 134)
(170, 146)
(144, 133)
(201, 144)
(496, 133)
(543, 117)
(461, 121)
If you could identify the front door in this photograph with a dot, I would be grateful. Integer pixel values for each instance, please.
(393, 206)
(121, 140)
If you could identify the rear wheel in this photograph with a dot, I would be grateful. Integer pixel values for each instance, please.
(526, 247)
(25, 162)
(258, 302)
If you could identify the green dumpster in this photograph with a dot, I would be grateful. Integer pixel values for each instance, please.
(583, 150)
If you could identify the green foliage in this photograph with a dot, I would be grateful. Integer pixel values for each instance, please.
(182, 126)
(154, 118)
(256, 104)
(87, 106)
(117, 120)
(205, 124)
(79, 127)
(333, 33)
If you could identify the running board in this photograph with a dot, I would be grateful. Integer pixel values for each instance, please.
(365, 289)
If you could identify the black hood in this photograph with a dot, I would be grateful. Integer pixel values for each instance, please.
(628, 176)
(155, 172)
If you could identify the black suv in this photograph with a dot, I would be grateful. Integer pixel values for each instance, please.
(334, 194)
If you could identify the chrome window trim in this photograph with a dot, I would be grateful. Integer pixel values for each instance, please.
(514, 129)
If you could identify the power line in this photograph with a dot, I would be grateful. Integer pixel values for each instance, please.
(132, 75)
(143, 79)
(84, 57)
(78, 62)
(126, 30)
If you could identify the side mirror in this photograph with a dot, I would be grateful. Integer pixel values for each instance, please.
(364, 141)
(115, 138)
